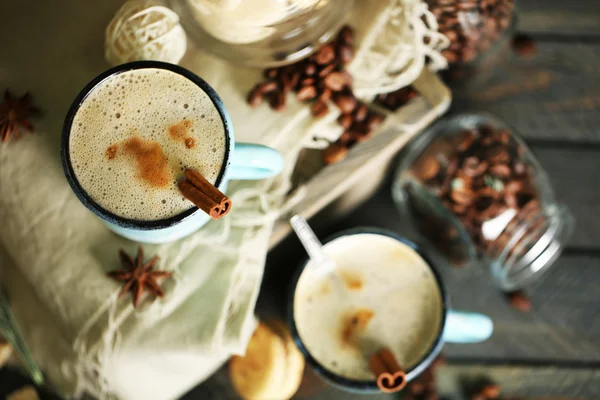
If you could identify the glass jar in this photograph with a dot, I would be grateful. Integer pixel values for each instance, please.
(477, 29)
(472, 189)
(261, 33)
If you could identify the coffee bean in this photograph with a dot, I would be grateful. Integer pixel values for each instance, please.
(373, 120)
(346, 53)
(270, 73)
(346, 35)
(500, 170)
(345, 102)
(306, 93)
(310, 69)
(267, 87)
(336, 81)
(523, 45)
(335, 152)
(346, 138)
(325, 55)
(327, 70)
(319, 109)
(307, 82)
(325, 95)
(360, 113)
(255, 97)
(519, 301)
(345, 120)
(277, 100)
(491, 391)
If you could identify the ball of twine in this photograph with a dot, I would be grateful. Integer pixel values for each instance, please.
(141, 30)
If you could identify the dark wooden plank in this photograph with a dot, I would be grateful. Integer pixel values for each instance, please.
(574, 174)
(526, 382)
(553, 95)
(559, 17)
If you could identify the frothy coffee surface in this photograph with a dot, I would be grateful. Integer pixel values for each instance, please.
(134, 135)
(389, 298)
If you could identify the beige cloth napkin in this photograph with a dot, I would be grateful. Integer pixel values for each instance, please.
(57, 252)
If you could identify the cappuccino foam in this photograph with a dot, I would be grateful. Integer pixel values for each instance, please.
(387, 297)
(134, 135)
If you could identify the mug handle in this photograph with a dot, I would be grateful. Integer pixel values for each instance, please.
(254, 161)
(467, 327)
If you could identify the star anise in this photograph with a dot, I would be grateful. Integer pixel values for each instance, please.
(139, 276)
(15, 114)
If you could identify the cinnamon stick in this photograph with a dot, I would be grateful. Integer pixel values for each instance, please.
(390, 376)
(204, 194)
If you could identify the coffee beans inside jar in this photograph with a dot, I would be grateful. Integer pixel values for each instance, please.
(472, 26)
(474, 190)
(322, 81)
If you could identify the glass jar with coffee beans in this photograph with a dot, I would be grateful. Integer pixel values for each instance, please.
(474, 27)
(261, 33)
(472, 189)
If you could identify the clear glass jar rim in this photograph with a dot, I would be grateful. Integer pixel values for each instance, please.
(517, 272)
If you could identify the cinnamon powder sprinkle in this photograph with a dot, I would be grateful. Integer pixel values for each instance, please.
(355, 323)
(111, 152)
(190, 143)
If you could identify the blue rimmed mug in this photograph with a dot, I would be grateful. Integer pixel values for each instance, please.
(241, 161)
(455, 326)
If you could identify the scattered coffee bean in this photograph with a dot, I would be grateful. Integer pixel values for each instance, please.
(255, 97)
(325, 94)
(333, 153)
(346, 35)
(491, 391)
(373, 120)
(322, 78)
(270, 73)
(336, 81)
(277, 100)
(394, 100)
(345, 102)
(523, 45)
(361, 113)
(325, 55)
(519, 301)
(345, 121)
(319, 109)
(310, 69)
(346, 53)
(306, 93)
(327, 70)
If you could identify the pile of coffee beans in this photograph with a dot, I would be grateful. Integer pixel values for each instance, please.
(321, 80)
(394, 100)
(472, 26)
(480, 175)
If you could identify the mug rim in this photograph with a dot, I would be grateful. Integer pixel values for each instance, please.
(360, 385)
(77, 188)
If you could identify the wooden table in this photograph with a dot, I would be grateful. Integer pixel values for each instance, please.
(553, 100)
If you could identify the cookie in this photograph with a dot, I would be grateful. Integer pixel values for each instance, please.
(258, 374)
(25, 393)
(294, 361)
(272, 367)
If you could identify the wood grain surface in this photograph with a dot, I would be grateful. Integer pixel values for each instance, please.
(578, 18)
(552, 95)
